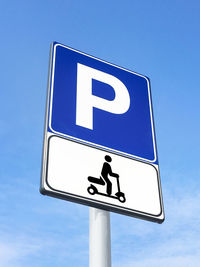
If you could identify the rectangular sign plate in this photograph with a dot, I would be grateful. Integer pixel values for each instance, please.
(99, 142)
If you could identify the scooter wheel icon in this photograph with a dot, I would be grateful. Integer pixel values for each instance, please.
(121, 197)
(92, 190)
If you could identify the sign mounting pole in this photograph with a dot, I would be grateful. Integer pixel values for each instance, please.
(100, 242)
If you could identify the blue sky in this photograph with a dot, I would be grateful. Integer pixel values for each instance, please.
(155, 38)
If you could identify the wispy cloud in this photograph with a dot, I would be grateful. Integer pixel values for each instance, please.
(176, 261)
(13, 252)
(36, 230)
(17, 249)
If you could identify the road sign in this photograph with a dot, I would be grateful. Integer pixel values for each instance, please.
(99, 143)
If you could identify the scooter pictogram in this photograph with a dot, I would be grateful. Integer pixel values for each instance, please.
(104, 180)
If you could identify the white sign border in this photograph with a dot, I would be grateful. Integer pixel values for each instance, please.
(45, 190)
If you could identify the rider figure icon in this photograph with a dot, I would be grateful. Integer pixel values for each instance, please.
(104, 180)
(106, 170)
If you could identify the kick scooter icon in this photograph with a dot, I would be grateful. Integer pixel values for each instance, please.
(104, 180)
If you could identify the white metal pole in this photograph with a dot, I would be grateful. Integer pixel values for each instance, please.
(100, 247)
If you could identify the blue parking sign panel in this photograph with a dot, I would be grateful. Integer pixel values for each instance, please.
(130, 133)
(98, 112)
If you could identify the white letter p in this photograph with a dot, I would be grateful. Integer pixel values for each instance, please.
(85, 101)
